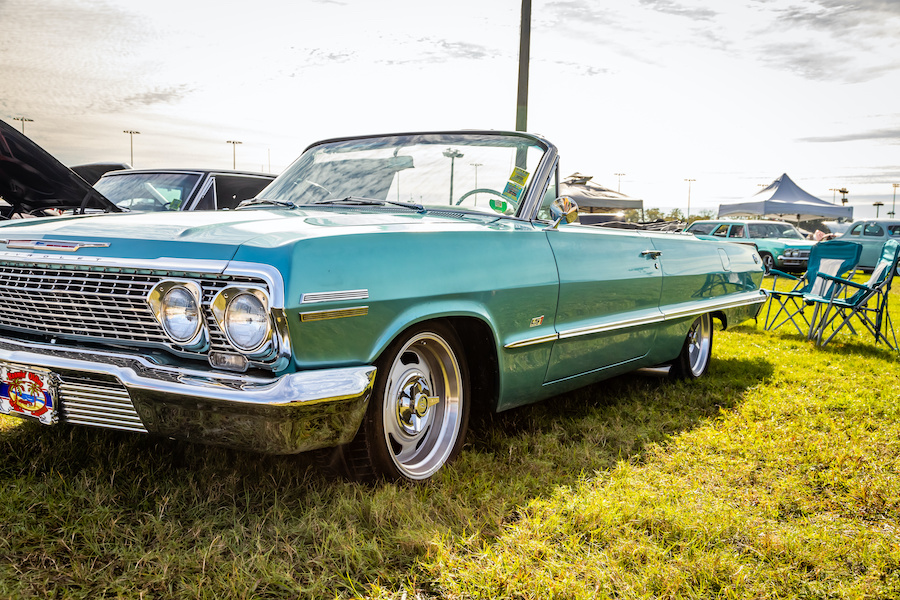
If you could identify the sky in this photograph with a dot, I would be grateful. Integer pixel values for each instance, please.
(727, 93)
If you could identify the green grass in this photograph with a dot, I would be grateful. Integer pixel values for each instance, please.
(774, 477)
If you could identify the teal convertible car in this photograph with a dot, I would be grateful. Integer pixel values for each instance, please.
(365, 301)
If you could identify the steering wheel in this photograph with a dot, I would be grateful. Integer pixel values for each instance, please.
(486, 191)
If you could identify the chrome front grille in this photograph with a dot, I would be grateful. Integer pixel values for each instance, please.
(101, 305)
(98, 403)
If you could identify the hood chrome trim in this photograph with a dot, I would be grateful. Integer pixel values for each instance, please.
(58, 245)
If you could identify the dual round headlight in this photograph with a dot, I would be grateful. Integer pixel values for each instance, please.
(180, 314)
(246, 321)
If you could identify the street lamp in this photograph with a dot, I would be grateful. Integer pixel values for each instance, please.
(476, 165)
(894, 200)
(877, 206)
(452, 154)
(24, 120)
(833, 195)
(233, 152)
(131, 133)
(688, 216)
(619, 187)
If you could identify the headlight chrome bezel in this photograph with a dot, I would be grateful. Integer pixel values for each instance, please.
(198, 340)
(223, 301)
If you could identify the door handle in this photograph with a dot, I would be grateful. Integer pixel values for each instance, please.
(651, 253)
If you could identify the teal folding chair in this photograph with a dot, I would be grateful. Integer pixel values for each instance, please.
(867, 303)
(832, 258)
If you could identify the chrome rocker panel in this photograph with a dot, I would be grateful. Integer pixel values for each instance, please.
(285, 415)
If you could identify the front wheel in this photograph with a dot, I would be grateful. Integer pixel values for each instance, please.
(419, 411)
(768, 262)
(693, 361)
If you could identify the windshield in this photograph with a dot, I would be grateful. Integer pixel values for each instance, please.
(484, 172)
(148, 191)
(787, 231)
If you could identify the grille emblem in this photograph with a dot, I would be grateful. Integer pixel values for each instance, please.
(59, 245)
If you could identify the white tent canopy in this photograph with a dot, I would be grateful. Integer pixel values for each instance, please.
(586, 194)
(785, 199)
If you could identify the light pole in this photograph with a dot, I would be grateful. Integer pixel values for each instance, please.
(131, 133)
(834, 195)
(24, 120)
(524, 58)
(877, 206)
(619, 186)
(844, 191)
(233, 152)
(452, 154)
(476, 165)
(894, 201)
(688, 216)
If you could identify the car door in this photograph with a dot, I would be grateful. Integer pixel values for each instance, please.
(609, 290)
(871, 236)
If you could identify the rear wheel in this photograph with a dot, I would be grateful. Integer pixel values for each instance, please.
(693, 361)
(419, 411)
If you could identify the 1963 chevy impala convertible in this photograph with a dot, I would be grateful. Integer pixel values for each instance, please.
(364, 301)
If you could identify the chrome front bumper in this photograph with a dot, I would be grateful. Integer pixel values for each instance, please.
(282, 415)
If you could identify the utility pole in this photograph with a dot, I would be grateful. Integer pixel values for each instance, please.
(688, 216)
(234, 144)
(131, 133)
(24, 120)
(619, 187)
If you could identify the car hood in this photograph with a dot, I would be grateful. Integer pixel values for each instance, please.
(32, 180)
(217, 235)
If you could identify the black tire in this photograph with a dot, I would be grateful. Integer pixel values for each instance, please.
(419, 411)
(768, 261)
(694, 359)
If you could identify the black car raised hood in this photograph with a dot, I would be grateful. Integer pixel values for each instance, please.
(31, 180)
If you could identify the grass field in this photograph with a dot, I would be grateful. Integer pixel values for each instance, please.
(777, 476)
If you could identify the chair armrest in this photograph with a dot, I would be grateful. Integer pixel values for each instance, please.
(859, 286)
(778, 273)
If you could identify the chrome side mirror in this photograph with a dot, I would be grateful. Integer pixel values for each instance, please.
(563, 209)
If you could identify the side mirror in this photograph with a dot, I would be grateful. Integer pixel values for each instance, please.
(563, 209)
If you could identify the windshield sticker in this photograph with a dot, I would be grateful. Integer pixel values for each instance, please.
(519, 176)
(512, 190)
(500, 206)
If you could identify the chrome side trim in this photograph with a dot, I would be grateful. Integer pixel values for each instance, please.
(313, 297)
(338, 313)
(748, 298)
(533, 341)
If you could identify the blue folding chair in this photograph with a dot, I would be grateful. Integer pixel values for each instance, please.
(868, 302)
(831, 258)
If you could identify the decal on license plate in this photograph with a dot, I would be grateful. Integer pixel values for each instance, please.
(27, 392)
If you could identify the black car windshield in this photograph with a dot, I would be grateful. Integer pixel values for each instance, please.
(148, 191)
(477, 171)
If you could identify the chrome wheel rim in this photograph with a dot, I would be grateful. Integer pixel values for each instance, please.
(422, 403)
(699, 345)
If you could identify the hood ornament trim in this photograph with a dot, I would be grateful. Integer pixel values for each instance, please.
(58, 245)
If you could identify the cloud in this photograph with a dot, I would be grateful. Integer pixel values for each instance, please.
(890, 135)
(680, 9)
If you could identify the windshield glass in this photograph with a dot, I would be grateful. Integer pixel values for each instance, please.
(787, 231)
(483, 172)
(148, 191)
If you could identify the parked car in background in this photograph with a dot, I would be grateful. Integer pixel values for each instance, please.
(780, 244)
(91, 172)
(872, 235)
(180, 189)
(365, 301)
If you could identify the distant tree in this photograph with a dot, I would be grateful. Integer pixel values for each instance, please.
(675, 215)
(653, 214)
(632, 215)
